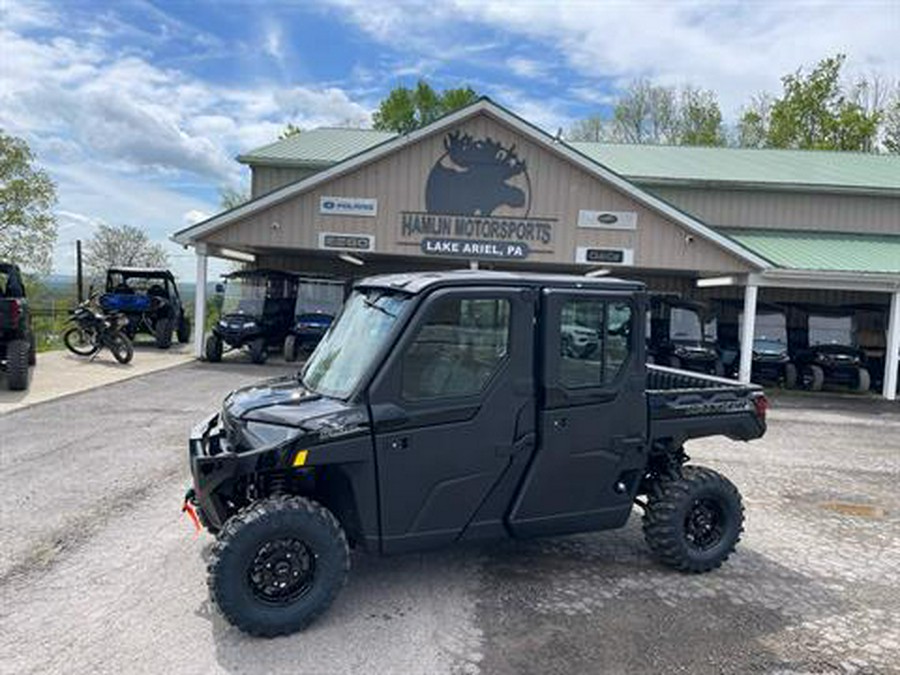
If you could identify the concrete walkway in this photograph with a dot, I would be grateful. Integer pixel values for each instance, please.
(60, 373)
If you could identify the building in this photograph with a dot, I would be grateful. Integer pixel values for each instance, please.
(484, 187)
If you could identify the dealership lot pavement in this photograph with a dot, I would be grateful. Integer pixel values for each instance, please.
(99, 573)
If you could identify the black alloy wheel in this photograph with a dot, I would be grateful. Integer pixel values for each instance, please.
(282, 571)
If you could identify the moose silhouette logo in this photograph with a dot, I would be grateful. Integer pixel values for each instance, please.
(476, 177)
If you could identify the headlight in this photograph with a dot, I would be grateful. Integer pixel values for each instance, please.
(248, 324)
(271, 434)
(223, 324)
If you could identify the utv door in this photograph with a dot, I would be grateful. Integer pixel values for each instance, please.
(454, 416)
(592, 418)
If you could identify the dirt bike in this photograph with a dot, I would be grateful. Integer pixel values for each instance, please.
(93, 330)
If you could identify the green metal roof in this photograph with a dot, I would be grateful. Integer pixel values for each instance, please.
(643, 164)
(822, 251)
(811, 168)
(318, 147)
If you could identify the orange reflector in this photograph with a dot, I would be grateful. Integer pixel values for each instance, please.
(300, 457)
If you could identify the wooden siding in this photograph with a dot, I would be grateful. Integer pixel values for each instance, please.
(784, 210)
(558, 190)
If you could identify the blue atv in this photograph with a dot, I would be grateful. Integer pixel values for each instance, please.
(150, 300)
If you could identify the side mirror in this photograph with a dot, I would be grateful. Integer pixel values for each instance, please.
(220, 288)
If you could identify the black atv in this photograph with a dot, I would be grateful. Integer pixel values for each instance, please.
(447, 407)
(318, 302)
(832, 354)
(17, 342)
(257, 313)
(683, 334)
(150, 299)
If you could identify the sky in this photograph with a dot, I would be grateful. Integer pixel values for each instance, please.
(137, 108)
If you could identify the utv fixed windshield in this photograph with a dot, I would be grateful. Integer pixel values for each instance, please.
(352, 343)
(831, 330)
(244, 296)
(684, 325)
(323, 297)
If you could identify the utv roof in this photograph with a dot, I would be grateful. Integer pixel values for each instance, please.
(140, 272)
(417, 282)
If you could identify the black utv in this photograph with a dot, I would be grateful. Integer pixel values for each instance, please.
(683, 334)
(446, 407)
(318, 302)
(257, 313)
(150, 300)
(17, 343)
(832, 354)
(772, 362)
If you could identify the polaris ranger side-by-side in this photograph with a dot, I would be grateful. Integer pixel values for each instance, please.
(443, 407)
(683, 334)
(17, 343)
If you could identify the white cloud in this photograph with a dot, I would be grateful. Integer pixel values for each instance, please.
(527, 68)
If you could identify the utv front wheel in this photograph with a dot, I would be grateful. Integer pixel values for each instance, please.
(258, 351)
(17, 365)
(213, 349)
(863, 380)
(277, 565)
(694, 521)
(163, 333)
(290, 348)
(184, 330)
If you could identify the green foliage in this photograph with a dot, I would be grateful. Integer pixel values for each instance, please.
(592, 129)
(700, 119)
(121, 246)
(892, 123)
(229, 198)
(27, 197)
(814, 112)
(404, 110)
(290, 130)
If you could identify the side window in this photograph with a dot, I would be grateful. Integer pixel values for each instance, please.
(457, 350)
(595, 342)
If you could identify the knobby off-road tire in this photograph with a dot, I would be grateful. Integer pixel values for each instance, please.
(17, 365)
(258, 351)
(863, 380)
(121, 348)
(162, 331)
(693, 522)
(213, 349)
(790, 376)
(290, 348)
(79, 342)
(32, 350)
(184, 330)
(294, 589)
(814, 378)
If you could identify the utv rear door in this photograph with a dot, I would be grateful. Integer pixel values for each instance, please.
(454, 415)
(592, 416)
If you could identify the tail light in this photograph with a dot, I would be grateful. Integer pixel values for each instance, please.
(761, 403)
(15, 311)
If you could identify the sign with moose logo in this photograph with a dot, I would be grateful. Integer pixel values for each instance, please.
(478, 203)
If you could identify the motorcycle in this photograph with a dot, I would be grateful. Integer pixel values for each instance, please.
(93, 330)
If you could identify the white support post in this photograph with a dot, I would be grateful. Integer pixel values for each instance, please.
(892, 352)
(747, 331)
(200, 301)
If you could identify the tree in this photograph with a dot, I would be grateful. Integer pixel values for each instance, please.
(753, 127)
(646, 113)
(229, 198)
(121, 246)
(27, 197)
(593, 129)
(816, 113)
(290, 130)
(699, 118)
(404, 110)
(892, 123)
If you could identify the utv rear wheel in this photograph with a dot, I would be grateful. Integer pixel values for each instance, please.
(863, 380)
(213, 349)
(32, 350)
(290, 348)
(184, 330)
(17, 365)
(277, 565)
(790, 376)
(694, 521)
(258, 351)
(162, 331)
(814, 378)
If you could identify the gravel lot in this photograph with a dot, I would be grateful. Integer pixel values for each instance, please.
(100, 574)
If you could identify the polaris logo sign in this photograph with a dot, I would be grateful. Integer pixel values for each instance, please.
(608, 220)
(348, 206)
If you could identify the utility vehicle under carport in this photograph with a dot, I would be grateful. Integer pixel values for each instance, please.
(443, 407)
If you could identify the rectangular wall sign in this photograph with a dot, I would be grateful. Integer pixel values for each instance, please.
(348, 206)
(342, 241)
(604, 256)
(608, 220)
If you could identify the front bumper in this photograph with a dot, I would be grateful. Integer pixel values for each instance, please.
(212, 464)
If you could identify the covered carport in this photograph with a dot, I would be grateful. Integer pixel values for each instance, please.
(820, 262)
